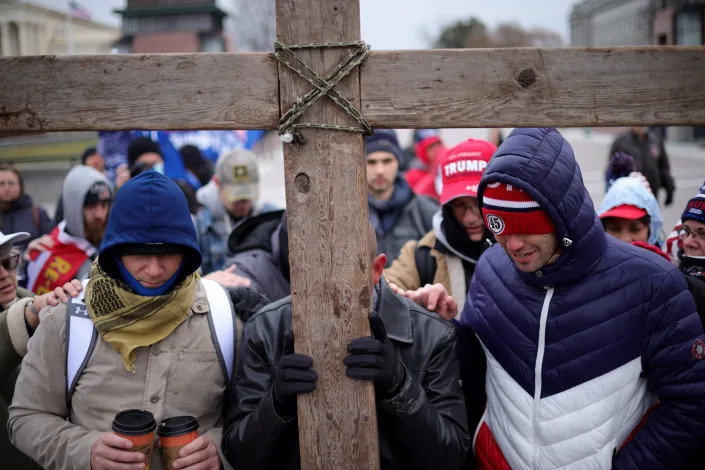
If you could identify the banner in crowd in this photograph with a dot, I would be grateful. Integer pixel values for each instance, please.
(113, 146)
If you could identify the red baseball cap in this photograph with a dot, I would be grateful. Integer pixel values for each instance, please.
(462, 167)
(625, 211)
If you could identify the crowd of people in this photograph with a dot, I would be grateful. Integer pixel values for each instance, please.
(513, 324)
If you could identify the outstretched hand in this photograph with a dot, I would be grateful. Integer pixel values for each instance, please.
(61, 294)
(435, 298)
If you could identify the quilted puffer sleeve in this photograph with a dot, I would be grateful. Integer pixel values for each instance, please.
(674, 364)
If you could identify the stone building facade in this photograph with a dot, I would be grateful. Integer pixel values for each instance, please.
(28, 29)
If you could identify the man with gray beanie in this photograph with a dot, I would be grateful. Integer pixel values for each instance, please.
(396, 213)
(87, 196)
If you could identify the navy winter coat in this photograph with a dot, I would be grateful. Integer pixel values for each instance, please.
(582, 351)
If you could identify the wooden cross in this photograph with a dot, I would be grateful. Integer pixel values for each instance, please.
(326, 189)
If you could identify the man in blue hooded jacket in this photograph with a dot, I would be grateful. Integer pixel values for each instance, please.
(594, 349)
(161, 339)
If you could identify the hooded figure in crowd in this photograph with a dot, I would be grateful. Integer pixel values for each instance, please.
(90, 157)
(631, 213)
(396, 213)
(594, 348)
(87, 197)
(593, 333)
(154, 345)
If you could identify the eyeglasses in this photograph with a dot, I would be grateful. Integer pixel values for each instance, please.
(9, 184)
(11, 262)
(684, 232)
(458, 206)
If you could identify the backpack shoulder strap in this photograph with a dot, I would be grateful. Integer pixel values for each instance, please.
(425, 264)
(221, 318)
(81, 337)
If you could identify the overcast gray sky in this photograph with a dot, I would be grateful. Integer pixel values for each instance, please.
(404, 24)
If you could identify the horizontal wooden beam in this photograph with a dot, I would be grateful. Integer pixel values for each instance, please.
(530, 87)
(152, 91)
(399, 89)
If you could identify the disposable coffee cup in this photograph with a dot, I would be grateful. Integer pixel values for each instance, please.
(137, 426)
(175, 433)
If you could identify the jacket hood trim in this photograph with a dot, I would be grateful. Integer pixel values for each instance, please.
(441, 237)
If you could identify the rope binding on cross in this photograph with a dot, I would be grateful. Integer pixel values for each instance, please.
(289, 129)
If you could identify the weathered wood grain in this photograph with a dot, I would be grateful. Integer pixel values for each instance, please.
(535, 87)
(326, 195)
(400, 89)
(152, 91)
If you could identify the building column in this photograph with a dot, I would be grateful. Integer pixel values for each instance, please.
(42, 46)
(27, 41)
(5, 32)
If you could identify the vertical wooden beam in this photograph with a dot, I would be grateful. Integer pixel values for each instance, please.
(326, 194)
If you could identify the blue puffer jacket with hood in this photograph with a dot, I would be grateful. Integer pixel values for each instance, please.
(579, 352)
(166, 219)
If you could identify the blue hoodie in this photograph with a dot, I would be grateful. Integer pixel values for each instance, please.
(150, 208)
(579, 351)
(633, 191)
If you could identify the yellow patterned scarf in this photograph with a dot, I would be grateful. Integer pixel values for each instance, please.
(127, 321)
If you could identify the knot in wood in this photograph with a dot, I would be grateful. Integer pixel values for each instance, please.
(526, 78)
(302, 183)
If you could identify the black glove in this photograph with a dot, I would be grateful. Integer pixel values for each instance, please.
(246, 301)
(669, 198)
(294, 376)
(375, 358)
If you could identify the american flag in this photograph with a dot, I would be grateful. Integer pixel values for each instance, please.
(79, 12)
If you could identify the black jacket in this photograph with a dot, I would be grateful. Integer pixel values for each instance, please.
(650, 158)
(415, 220)
(261, 254)
(24, 216)
(423, 427)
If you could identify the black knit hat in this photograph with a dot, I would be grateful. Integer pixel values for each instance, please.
(139, 147)
(96, 193)
(87, 153)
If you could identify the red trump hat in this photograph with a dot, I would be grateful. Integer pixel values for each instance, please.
(462, 167)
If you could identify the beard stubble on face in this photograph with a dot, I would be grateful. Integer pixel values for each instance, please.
(95, 232)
